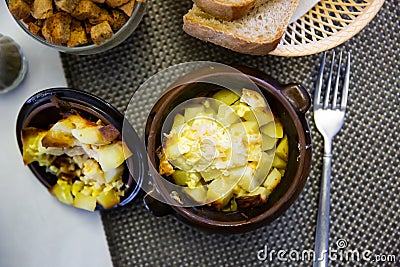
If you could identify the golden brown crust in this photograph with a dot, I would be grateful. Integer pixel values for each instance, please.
(101, 32)
(66, 5)
(109, 133)
(78, 35)
(20, 9)
(116, 3)
(86, 9)
(229, 41)
(119, 18)
(42, 9)
(35, 29)
(224, 10)
(56, 28)
(128, 7)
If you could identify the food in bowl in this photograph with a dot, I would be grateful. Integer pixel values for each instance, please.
(73, 23)
(229, 151)
(87, 157)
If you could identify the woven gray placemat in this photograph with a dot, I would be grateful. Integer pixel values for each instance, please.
(365, 170)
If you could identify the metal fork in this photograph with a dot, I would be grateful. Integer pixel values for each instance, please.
(329, 118)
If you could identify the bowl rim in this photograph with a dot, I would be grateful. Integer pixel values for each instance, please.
(94, 104)
(265, 83)
(131, 24)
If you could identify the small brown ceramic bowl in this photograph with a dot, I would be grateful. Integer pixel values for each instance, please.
(289, 103)
(46, 107)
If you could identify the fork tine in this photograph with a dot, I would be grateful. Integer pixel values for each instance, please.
(345, 90)
(318, 85)
(335, 90)
(329, 83)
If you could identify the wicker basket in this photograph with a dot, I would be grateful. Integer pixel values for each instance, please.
(328, 24)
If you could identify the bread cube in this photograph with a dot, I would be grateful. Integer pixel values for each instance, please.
(20, 9)
(66, 5)
(86, 9)
(104, 15)
(116, 3)
(119, 19)
(128, 7)
(78, 35)
(101, 32)
(42, 9)
(35, 29)
(56, 29)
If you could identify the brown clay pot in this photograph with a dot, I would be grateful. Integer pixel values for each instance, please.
(289, 102)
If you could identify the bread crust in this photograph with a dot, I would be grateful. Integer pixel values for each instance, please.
(230, 41)
(224, 10)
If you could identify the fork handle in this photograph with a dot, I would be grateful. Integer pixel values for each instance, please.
(322, 232)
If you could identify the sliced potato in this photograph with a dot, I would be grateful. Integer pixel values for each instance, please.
(77, 186)
(182, 178)
(85, 202)
(31, 139)
(198, 194)
(108, 199)
(171, 147)
(110, 156)
(62, 193)
(210, 174)
(261, 115)
(226, 115)
(113, 174)
(273, 129)
(253, 99)
(282, 150)
(192, 111)
(273, 179)
(268, 142)
(220, 192)
(226, 96)
(89, 135)
(179, 121)
(278, 162)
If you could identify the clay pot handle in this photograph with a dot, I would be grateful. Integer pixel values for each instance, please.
(298, 97)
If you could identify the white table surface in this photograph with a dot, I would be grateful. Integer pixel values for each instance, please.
(35, 229)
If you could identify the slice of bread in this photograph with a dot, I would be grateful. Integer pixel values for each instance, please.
(226, 9)
(257, 33)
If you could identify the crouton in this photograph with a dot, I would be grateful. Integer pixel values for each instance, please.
(35, 29)
(128, 7)
(116, 3)
(109, 133)
(78, 35)
(20, 9)
(56, 29)
(119, 19)
(42, 9)
(101, 32)
(104, 15)
(86, 9)
(66, 5)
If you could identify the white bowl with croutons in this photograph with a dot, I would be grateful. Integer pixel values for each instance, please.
(78, 26)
